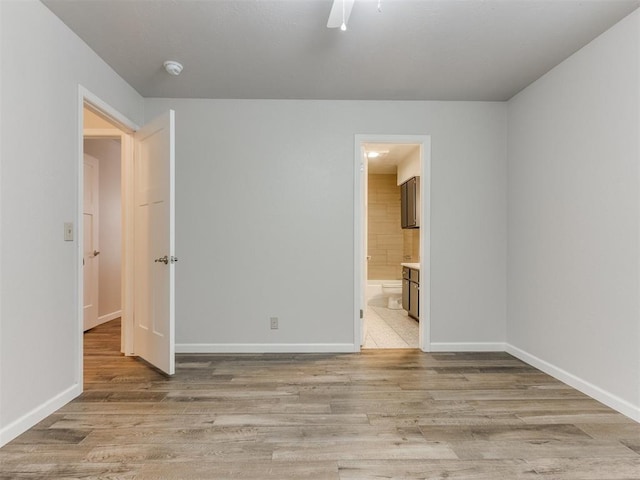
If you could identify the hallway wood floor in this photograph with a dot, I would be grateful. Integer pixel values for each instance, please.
(381, 414)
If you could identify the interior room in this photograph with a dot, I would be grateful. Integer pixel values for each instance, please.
(392, 245)
(243, 229)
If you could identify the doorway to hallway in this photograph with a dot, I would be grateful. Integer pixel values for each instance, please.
(102, 220)
(147, 238)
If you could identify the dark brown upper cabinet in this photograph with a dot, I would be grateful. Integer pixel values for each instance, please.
(410, 202)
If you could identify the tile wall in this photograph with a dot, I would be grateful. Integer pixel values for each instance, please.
(388, 244)
(411, 245)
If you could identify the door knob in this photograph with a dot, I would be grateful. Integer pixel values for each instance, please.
(96, 253)
(164, 260)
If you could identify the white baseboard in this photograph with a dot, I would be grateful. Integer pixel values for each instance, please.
(467, 347)
(110, 316)
(38, 414)
(609, 399)
(104, 318)
(266, 348)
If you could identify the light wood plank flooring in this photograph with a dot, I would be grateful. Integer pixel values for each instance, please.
(397, 414)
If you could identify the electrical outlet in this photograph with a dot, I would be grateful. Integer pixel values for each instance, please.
(274, 323)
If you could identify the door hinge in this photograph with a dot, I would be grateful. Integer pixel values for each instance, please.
(361, 313)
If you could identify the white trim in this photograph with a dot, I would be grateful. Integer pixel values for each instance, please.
(637, 418)
(609, 399)
(637, 340)
(425, 244)
(113, 133)
(110, 316)
(468, 347)
(359, 299)
(103, 319)
(425, 232)
(38, 414)
(102, 108)
(266, 347)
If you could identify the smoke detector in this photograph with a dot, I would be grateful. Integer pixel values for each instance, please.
(172, 67)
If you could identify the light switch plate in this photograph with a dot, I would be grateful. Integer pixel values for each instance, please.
(68, 232)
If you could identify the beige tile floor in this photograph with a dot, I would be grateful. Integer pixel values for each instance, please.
(386, 328)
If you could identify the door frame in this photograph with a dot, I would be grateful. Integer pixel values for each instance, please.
(360, 282)
(97, 105)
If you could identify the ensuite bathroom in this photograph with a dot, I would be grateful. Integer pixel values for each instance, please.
(392, 243)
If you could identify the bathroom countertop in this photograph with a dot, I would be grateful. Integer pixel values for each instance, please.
(415, 266)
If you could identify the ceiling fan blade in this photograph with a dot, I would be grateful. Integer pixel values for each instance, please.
(335, 16)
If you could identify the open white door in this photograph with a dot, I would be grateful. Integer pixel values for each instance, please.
(154, 240)
(89, 256)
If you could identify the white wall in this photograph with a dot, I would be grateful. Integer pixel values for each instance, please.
(573, 303)
(107, 153)
(42, 64)
(265, 218)
(409, 167)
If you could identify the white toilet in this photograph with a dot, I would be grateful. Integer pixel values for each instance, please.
(392, 289)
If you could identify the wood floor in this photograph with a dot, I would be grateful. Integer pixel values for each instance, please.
(381, 414)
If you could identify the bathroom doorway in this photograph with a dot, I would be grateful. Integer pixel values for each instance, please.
(392, 211)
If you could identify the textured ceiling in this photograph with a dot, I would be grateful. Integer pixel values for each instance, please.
(413, 50)
(391, 154)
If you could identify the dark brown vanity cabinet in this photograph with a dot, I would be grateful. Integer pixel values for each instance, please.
(406, 289)
(410, 203)
(411, 291)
